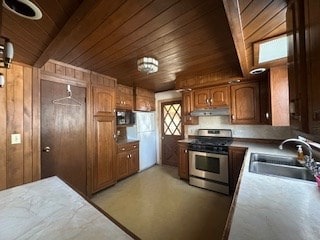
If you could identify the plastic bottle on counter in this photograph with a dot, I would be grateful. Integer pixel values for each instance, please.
(300, 155)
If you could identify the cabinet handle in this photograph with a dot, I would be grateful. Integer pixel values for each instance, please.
(267, 116)
(211, 100)
(128, 156)
(207, 100)
(134, 146)
(123, 149)
(185, 151)
(232, 117)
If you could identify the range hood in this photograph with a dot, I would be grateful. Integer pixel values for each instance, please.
(211, 112)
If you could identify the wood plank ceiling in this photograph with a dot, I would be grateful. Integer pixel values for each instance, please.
(188, 37)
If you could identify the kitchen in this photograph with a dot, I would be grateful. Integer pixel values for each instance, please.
(114, 49)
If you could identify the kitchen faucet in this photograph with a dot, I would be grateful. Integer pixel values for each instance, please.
(299, 141)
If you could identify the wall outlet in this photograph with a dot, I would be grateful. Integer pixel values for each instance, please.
(15, 138)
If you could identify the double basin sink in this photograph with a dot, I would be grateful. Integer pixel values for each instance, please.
(279, 166)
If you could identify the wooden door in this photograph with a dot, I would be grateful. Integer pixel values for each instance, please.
(63, 134)
(172, 131)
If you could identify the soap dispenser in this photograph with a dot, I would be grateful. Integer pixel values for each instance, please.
(300, 155)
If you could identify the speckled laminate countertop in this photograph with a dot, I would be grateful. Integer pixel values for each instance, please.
(50, 209)
(274, 208)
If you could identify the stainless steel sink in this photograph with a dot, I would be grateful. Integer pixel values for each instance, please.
(279, 166)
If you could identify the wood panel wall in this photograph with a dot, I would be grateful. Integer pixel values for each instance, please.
(20, 114)
(17, 161)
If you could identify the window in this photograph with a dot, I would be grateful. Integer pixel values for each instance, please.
(270, 50)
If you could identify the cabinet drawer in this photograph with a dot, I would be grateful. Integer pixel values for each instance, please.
(127, 147)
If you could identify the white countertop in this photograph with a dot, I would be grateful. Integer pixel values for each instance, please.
(272, 208)
(50, 209)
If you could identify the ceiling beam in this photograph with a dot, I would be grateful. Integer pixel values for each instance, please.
(233, 14)
(59, 41)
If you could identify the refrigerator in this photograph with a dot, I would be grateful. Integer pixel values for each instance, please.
(144, 130)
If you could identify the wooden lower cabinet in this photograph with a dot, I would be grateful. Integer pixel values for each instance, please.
(183, 161)
(236, 157)
(104, 164)
(127, 159)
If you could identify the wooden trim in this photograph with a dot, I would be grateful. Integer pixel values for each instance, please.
(68, 65)
(90, 141)
(233, 14)
(36, 164)
(3, 133)
(63, 79)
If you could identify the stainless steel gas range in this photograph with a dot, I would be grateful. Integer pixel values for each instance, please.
(208, 159)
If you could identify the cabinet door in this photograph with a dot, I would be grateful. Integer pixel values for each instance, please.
(219, 96)
(124, 97)
(201, 98)
(183, 161)
(144, 104)
(245, 103)
(104, 165)
(122, 165)
(236, 157)
(187, 108)
(133, 161)
(103, 101)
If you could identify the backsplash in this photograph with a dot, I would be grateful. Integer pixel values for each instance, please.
(240, 131)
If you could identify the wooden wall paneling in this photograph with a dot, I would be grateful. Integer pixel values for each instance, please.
(36, 167)
(3, 133)
(15, 125)
(27, 124)
(61, 72)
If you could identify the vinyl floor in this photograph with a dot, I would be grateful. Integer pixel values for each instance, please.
(156, 204)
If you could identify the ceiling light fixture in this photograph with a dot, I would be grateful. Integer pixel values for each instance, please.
(257, 71)
(147, 65)
(23, 8)
(6, 52)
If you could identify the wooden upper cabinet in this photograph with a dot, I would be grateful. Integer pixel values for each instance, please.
(245, 103)
(124, 97)
(103, 101)
(144, 100)
(187, 108)
(211, 97)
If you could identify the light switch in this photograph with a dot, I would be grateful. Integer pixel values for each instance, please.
(15, 138)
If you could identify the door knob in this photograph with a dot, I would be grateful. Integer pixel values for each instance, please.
(46, 149)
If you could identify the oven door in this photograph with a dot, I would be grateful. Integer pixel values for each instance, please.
(209, 166)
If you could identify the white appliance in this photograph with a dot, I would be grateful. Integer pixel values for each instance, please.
(144, 131)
